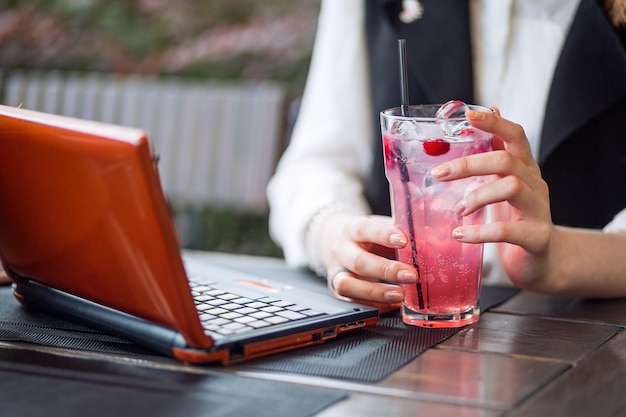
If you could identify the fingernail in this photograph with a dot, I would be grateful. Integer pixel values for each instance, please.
(475, 115)
(398, 240)
(440, 171)
(460, 207)
(393, 296)
(458, 233)
(406, 277)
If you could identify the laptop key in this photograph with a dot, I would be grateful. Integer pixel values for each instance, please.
(271, 309)
(290, 315)
(281, 303)
(203, 307)
(246, 310)
(276, 319)
(228, 296)
(231, 306)
(216, 322)
(260, 315)
(231, 316)
(243, 300)
(310, 313)
(233, 326)
(203, 288)
(217, 302)
(245, 319)
(258, 324)
(257, 304)
(217, 311)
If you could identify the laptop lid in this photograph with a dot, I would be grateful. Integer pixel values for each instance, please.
(85, 220)
(83, 212)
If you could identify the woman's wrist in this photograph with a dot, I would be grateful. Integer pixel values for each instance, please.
(313, 232)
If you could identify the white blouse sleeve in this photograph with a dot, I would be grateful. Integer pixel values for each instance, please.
(618, 224)
(330, 150)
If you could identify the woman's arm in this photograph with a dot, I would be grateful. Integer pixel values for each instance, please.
(329, 153)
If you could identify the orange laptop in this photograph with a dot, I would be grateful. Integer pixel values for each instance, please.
(86, 233)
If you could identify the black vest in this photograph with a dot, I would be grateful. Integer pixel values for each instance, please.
(583, 148)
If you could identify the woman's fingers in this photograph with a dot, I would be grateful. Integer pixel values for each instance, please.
(501, 163)
(356, 254)
(511, 134)
(373, 267)
(374, 229)
(530, 201)
(352, 245)
(532, 236)
(346, 284)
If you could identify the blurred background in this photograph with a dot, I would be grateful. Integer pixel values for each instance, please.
(185, 71)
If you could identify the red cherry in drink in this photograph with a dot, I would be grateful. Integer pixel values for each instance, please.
(388, 151)
(435, 147)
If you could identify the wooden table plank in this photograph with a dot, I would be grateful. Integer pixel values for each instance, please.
(595, 387)
(364, 405)
(534, 337)
(489, 380)
(611, 311)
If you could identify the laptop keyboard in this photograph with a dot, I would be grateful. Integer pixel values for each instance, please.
(225, 313)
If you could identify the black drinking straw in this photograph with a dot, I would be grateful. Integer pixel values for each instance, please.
(404, 83)
(404, 172)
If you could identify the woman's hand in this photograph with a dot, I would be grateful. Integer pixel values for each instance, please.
(521, 220)
(357, 252)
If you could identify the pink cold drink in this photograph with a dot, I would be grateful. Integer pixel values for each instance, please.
(448, 290)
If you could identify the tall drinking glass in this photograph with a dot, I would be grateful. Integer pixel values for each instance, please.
(415, 141)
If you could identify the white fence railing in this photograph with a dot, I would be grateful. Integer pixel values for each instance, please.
(218, 143)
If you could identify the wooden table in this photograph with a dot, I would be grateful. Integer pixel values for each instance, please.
(534, 355)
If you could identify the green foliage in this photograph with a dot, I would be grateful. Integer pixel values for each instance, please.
(293, 75)
(161, 36)
(226, 230)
